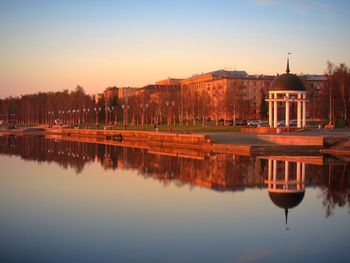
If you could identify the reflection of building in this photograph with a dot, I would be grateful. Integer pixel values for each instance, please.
(286, 183)
(285, 176)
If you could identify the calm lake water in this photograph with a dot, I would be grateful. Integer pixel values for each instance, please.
(68, 201)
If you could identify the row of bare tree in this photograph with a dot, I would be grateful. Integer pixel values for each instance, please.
(168, 104)
(338, 99)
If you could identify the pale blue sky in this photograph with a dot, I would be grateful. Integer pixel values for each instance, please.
(52, 45)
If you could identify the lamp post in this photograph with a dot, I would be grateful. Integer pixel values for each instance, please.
(59, 116)
(106, 111)
(73, 117)
(78, 116)
(69, 117)
(115, 115)
(65, 116)
(143, 109)
(84, 119)
(49, 118)
(170, 106)
(97, 110)
(125, 119)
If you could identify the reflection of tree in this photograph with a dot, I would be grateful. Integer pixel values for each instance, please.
(336, 192)
(220, 172)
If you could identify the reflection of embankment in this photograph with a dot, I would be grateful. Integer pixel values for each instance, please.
(222, 172)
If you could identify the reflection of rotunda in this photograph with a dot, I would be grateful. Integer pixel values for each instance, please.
(286, 183)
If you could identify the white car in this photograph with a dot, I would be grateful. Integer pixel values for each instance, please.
(253, 123)
(58, 122)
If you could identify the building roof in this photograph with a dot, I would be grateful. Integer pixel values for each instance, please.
(287, 81)
(229, 73)
(315, 78)
(223, 73)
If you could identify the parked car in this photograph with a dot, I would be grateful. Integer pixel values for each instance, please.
(253, 123)
(241, 123)
(228, 123)
(58, 122)
(292, 123)
(257, 123)
(281, 123)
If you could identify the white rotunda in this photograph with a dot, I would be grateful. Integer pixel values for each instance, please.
(287, 88)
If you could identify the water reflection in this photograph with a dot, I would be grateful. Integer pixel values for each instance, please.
(285, 177)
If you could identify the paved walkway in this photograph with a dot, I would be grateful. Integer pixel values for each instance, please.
(237, 138)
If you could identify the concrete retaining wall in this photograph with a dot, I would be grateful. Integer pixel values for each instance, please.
(268, 130)
(151, 137)
(293, 139)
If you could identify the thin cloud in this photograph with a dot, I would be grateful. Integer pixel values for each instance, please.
(265, 2)
(302, 7)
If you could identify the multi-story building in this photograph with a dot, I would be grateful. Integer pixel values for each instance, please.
(125, 92)
(224, 95)
(110, 95)
(317, 92)
(218, 95)
(169, 82)
(228, 95)
(97, 97)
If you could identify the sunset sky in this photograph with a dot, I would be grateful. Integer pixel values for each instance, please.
(54, 45)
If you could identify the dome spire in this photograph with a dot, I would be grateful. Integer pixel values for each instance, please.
(288, 63)
(286, 215)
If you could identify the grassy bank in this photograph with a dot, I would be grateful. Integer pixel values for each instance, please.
(178, 129)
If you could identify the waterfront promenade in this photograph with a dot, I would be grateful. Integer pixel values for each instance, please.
(307, 142)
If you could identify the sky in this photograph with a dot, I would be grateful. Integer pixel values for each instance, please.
(54, 45)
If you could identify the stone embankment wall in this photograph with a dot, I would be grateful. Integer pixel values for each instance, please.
(150, 137)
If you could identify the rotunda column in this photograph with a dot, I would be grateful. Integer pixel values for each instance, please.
(287, 110)
(270, 110)
(304, 110)
(275, 108)
(286, 173)
(269, 172)
(274, 173)
(299, 111)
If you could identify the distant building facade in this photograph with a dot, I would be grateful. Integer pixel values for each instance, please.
(217, 95)
(223, 95)
(317, 92)
(169, 82)
(125, 92)
(110, 95)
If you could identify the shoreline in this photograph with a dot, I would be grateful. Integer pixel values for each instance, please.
(174, 143)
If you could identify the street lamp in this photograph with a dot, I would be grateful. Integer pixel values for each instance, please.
(59, 115)
(97, 110)
(106, 111)
(114, 110)
(170, 105)
(73, 111)
(51, 116)
(143, 108)
(78, 116)
(85, 115)
(84, 119)
(70, 117)
(125, 109)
